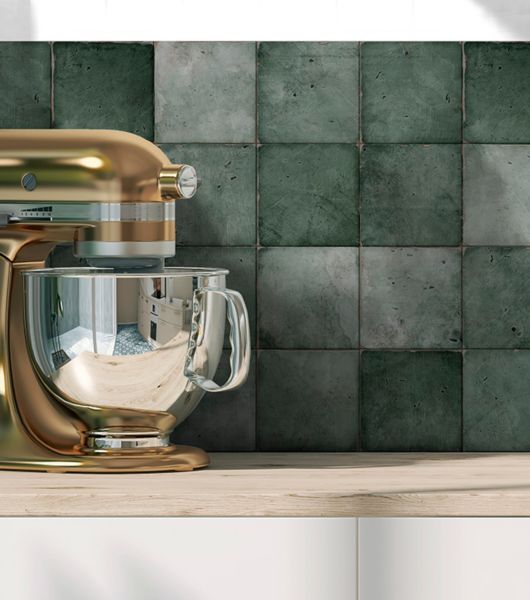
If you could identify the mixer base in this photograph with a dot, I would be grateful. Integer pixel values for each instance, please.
(170, 458)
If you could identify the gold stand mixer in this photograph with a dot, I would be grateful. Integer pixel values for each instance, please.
(98, 365)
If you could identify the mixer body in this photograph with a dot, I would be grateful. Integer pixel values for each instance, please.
(73, 396)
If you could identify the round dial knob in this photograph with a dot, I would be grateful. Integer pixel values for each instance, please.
(178, 181)
(187, 181)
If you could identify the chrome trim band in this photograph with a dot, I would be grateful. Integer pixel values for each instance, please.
(112, 442)
(97, 248)
(68, 212)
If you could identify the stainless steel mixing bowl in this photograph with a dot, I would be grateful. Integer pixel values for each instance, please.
(119, 348)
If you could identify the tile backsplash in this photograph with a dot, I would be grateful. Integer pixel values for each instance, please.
(372, 202)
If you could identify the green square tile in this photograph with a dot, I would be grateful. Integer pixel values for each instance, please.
(25, 80)
(241, 262)
(307, 401)
(411, 92)
(411, 401)
(496, 297)
(410, 297)
(496, 195)
(496, 407)
(223, 212)
(410, 195)
(223, 422)
(104, 86)
(497, 92)
(308, 195)
(308, 298)
(308, 92)
(205, 92)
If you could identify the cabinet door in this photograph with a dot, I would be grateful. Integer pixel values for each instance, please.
(165, 331)
(171, 314)
(444, 559)
(182, 559)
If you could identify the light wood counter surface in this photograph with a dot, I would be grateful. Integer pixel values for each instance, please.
(324, 484)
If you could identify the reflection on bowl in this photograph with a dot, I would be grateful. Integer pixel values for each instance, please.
(102, 339)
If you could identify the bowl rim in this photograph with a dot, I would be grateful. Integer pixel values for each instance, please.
(104, 272)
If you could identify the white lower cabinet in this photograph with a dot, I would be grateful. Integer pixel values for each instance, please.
(177, 559)
(264, 559)
(444, 559)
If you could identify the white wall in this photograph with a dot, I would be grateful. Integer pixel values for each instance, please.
(271, 20)
(127, 294)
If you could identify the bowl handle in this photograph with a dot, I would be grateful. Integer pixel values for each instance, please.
(239, 340)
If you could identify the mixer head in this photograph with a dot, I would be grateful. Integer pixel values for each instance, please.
(112, 193)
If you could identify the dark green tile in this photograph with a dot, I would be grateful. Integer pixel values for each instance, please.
(223, 422)
(497, 92)
(497, 297)
(411, 92)
(308, 297)
(411, 401)
(25, 80)
(223, 212)
(241, 262)
(104, 86)
(308, 92)
(205, 92)
(496, 407)
(308, 195)
(307, 401)
(410, 297)
(410, 195)
(496, 194)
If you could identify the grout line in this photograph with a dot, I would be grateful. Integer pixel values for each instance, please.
(366, 247)
(356, 143)
(359, 229)
(257, 245)
(153, 82)
(462, 119)
(256, 92)
(464, 67)
(404, 349)
(360, 92)
(52, 85)
(361, 349)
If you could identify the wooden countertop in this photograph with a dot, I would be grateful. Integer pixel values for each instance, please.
(324, 484)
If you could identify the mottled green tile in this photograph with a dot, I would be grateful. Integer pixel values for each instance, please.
(308, 195)
(223, 212)
(307, 401)
(308, 92)
(410, 297)
(497, 297)
(223, 422)
(241, 262)
(308, 297)
(104, 86)
(496, 406)
(497, 92)
(411, 401)
(410, 195)
(205, 92)
(411, 92)
(496, 194)
(25, 81)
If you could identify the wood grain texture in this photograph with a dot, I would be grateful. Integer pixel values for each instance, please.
(254, 484)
